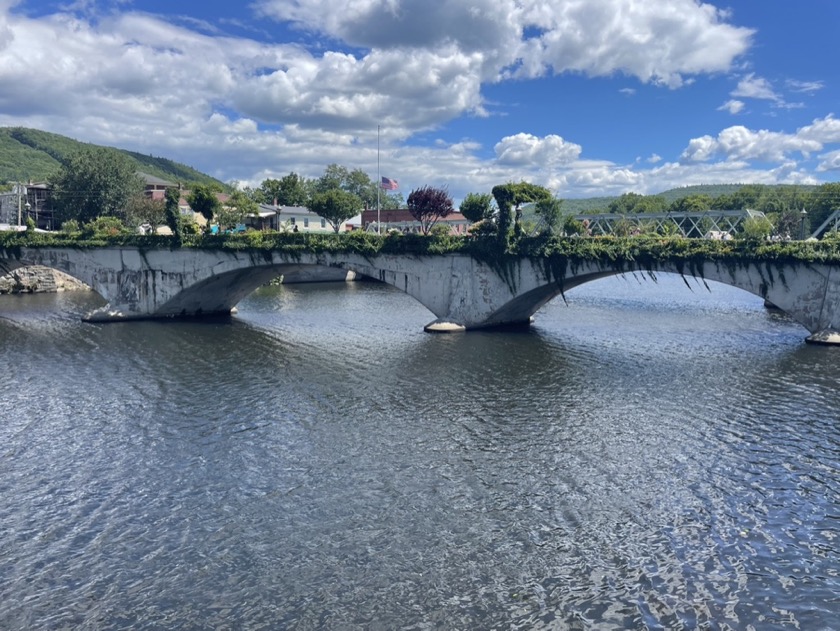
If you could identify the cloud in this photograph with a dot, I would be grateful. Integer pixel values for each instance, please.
(824, 130)
(244, 109)
(752, 87)
(740, 143)
(829, 162)
(525, 149)
(808, 87)
(660, 43)
(410, 65)
(732, 106)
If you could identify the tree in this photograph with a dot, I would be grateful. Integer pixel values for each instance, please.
(335, 177)
(633, 203)
(143, 210)
(235, 209)
(202, 199)
(428, 205)
(477, 207)
(572, 226)
(755, 229)
(550, 213)
(359, 183)
(391, 201)
(172, 198)
(786, 223)
(270, 191)
(511, 197)
(254, 194)
(691, 204)
(336, 206)
(356, 182)
(746, 197)
(94, 182)
(289, 190)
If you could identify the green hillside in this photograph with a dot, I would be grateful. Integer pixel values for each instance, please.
(588, 205)
(600, 204)
(31, 154)
(712, 190)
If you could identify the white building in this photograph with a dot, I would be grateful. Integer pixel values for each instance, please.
(293, 219)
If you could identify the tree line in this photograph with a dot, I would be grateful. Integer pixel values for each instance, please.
(101, 182)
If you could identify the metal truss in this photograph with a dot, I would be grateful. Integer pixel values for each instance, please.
(717, 223)
(833, 220)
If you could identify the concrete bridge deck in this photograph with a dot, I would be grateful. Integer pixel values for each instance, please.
(459, 289)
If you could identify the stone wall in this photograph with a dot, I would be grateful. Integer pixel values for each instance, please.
(37, 279)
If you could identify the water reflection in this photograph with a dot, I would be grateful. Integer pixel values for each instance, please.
(644, 457)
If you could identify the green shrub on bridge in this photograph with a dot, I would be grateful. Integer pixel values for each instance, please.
(645, 249)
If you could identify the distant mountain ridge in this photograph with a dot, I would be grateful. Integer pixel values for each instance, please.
(30, 154)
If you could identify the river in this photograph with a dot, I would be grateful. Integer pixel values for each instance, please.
(647, 456)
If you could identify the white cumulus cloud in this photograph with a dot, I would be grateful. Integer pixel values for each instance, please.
(740, 143)
(525, 149)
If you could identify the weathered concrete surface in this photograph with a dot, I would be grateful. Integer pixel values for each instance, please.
(460, 291)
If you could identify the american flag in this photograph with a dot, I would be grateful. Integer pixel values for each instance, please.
(388, 184)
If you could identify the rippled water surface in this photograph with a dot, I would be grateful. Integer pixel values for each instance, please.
(645, 457)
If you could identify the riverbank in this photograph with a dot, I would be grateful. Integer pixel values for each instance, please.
(37, 279)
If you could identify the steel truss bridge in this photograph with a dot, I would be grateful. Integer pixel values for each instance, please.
(832, 220)
(708, 223)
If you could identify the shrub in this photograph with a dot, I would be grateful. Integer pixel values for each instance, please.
(71, 226)
(572, 226)
(190, 228)
(482, 228)
(755, 229)
(105, 227)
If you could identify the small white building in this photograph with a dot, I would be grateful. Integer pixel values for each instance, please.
(291, 219)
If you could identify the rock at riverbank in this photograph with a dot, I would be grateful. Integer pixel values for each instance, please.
(38, 279)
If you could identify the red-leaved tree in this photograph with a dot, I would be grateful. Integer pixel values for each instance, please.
(428, 205)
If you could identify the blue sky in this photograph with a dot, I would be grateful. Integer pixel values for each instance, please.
(585, 97)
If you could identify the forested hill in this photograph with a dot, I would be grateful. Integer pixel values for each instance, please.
(31, 154)
(600, 204)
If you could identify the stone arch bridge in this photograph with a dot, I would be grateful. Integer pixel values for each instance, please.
(461, 291)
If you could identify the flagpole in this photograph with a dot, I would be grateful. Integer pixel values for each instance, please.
(378, 184)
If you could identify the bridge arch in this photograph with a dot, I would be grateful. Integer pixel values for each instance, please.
(8, 266)
(808, 294)
(220, 293)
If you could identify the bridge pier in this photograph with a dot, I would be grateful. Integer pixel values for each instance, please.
(441, 325)
(826, 337)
